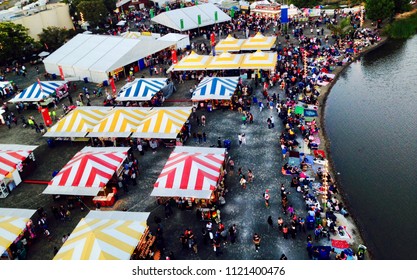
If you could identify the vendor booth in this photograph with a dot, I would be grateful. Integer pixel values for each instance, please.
(43, 92)
(193, 61)
(13, 160)
(15, 225)
(259, 42)
(230, 44)
(163, 123)
(225, 61)
(194, 174)
(260, 60)
(90, 172)
(108, 235)
(78, 122)
(120, 122)
(141, 89)
(214, 92)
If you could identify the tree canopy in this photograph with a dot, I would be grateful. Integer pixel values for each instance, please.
(93, 11)
(54, 37)
(379, 9)
(15, 42)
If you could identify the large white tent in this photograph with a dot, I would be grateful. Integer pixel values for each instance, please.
(189, 17)
(95, 56)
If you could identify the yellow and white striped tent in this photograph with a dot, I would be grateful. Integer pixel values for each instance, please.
(225, 61)
(78, 122)
(230, 44)
(120, 122)
(259, 60)
(192, 61)
(259, 42)
(12, 223)
(163, 123)
(105, 235)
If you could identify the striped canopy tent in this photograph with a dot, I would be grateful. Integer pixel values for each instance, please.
(163, 123)
(78, 122)
(38, 91)
(260, 60)
(225, 61)
(141, 89)
(88, 171)
(215, 88)
(12, 223)
(120, 122)
(192, 61)
(190, 172)
(105, 235)
(230, 44)
(258, 42)
(11, 155)
(4, 84)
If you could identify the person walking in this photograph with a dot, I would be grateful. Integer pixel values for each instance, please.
(280, 224)
(243, 138)
(285, 231)
(267, 197)
(239, 138)
(256, 239)
(261, 106)
(250, 176)
(270, 222)
(243, 182)
(272, 121)
(203, 120)
(233, 233)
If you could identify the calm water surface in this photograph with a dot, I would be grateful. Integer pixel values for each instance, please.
(371, 120)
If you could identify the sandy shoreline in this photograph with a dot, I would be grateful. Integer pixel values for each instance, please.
(325, 141)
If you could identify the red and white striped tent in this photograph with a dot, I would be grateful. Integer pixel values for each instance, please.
(190, 172)
(88, 171)
(12, 155)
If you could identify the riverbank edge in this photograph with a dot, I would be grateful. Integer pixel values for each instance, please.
(326, 142)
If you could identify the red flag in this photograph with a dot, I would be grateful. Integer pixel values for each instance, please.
(46, 118)
(174, 56)
(61, 72)
(113, 86)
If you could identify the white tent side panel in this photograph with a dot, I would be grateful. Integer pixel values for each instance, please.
(52, 61)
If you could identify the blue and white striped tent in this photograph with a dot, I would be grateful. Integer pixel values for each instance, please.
(37, 92)
(215, 88)
(141, 89)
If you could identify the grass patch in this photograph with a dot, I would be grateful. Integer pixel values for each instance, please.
(402, 28)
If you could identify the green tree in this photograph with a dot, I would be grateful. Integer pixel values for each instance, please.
(379, 9)
(305, 3)
(54, 37)
(342, 28)
(15, 42)
(93, 11)
(402, 6)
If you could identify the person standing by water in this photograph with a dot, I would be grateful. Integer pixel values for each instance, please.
(256, 239)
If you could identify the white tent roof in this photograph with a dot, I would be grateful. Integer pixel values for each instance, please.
(173, 37)
(190, 17)
(103, 53)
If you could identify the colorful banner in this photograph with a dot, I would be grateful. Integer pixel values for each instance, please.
(284, 14)
(61, 72)
(174, 57)
(113, 86)
(213, 39)
(46, 118)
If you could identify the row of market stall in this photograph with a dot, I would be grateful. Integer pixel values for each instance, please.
(190, 172)
(227, 61)
(257, 42)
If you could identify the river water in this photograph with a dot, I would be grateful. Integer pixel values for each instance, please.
(371, 121)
